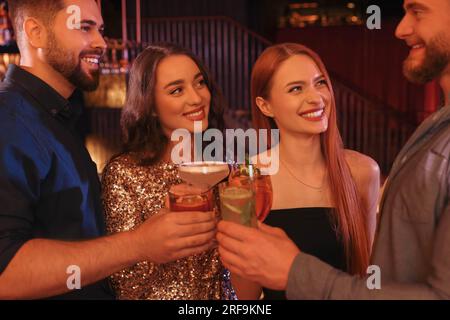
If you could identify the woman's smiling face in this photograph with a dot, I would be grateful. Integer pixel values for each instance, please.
(182, 96)
(300, 98)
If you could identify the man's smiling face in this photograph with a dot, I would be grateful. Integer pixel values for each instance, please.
(425, 28)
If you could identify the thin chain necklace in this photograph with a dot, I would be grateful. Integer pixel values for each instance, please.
(305, 184)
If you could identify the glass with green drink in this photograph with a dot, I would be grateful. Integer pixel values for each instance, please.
(237, 203)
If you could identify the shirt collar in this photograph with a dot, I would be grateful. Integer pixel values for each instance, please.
(46, 96)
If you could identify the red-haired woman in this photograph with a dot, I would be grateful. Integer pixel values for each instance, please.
(325, 196)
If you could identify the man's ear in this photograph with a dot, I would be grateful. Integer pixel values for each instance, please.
(35, 32)
(264, 106)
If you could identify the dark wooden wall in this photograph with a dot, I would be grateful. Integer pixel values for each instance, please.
(259, 15)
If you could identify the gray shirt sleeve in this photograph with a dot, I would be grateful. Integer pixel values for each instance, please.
(310, 278)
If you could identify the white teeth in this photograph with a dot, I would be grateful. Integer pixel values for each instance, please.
(417, 46)
(91, 60)
(314, 114)
(195, 114)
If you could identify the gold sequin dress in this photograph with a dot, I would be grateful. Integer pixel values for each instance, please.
(133, 193)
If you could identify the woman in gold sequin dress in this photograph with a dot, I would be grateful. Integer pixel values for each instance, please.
(169, 89)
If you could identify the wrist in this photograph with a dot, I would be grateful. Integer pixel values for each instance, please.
(135, 246)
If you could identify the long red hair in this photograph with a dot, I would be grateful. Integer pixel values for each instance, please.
(349, 216)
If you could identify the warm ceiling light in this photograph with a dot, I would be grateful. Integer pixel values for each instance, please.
(351, 5)
(307, 5)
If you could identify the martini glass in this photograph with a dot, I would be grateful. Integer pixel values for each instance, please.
(203, 173)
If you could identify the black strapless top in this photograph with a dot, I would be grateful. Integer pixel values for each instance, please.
(313, 231)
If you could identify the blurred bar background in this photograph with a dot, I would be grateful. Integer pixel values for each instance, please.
(377, 108)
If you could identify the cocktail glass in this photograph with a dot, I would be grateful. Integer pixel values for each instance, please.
(244, 174)
(185, 197)
(237, 203)
(203, 173)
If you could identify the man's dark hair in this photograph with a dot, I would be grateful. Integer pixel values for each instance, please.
(44, 10)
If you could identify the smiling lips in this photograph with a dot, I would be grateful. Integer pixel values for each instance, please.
(416, 46)
(92, 61)
(313, 115)
(196, 115)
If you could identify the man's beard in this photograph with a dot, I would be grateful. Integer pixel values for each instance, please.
(70, 67)
(437, 58)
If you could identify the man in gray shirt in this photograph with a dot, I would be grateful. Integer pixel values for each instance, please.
(411, 254)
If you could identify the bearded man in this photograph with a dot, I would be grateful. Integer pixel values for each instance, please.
(52, 229)
(412, 245)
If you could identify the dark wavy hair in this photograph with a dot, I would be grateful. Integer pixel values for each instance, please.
(141, 129)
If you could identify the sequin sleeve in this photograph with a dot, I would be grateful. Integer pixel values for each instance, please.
(132, 194)
(123, 212)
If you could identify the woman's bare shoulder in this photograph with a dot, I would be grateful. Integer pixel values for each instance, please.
(363, 168)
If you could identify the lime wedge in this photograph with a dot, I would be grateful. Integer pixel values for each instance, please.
(233, 209)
